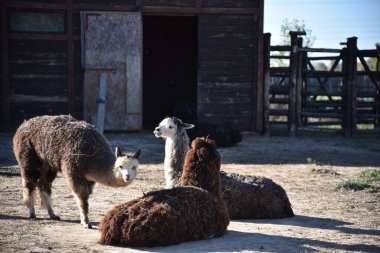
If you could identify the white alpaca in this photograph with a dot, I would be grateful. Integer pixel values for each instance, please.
(246, 196)
(173, 130)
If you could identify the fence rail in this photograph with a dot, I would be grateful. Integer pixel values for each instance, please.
(301, 95)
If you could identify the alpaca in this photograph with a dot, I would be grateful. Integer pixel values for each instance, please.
(193, 211)
(46, 145)
(246, 196)
(173, 130)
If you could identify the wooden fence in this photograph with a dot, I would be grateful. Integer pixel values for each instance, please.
(301, 96)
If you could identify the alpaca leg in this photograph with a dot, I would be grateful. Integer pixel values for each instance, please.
(90, 186)
(81, 192)
(44, 185)
(28, 190)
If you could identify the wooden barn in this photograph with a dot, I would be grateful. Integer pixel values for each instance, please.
(150, 58)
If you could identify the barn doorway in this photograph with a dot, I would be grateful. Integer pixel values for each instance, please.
(169, 68)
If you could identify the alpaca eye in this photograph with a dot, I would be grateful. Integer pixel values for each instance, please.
(134, 168)
(120, 167)
(170, 127)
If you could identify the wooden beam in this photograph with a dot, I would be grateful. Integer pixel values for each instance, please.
(70, 57)
(258, 109)
(266, 101)
(40, 36)
(377, 96)
(5, 69)
(139, 6)
(292, 83)
(105, 7)
(195, 10)
(32, 5)
(350, 117)
(299, 84)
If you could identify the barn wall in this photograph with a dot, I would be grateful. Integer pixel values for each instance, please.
(231, 3)
(227, 68)
(38, 79)
(45, 74)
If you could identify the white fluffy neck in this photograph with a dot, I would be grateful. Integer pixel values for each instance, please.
(175, 153)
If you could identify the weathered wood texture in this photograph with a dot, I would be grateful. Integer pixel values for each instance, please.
(114, 41)
(345, 97)
(54, 84)
(182, 3)
(38, 78)
(231, 3)
(226, 71)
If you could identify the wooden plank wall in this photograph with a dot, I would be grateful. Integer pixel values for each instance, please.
(38, 79)
(226, 76)
(45, 75)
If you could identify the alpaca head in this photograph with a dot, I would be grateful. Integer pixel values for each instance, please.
(171, 127)
(202, 166)
(126, 164)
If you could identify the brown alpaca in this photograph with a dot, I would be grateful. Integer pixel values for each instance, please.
(250, 197)
(193, 211)
(247, 197)
(46, 145)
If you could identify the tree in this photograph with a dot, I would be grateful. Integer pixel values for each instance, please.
(297, 26)
(371, 62)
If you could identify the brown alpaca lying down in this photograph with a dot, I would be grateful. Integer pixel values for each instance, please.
(250, 197)
(193, 211)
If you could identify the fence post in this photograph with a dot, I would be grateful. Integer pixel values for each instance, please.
(266, 63)
(350, 115)
(377, 96)
(292, 110)
(299, 84)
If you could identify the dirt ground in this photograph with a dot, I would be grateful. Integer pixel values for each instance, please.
(327, 220)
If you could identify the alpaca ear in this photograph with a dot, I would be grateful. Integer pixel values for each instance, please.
(187, 126)
(137, 154)
(118, 152)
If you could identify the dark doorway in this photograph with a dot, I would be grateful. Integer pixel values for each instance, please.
(169, 68)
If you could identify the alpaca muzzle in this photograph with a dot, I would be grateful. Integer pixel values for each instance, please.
(157, 132)
(126, 178)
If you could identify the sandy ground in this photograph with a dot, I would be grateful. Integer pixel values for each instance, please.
(327, 220)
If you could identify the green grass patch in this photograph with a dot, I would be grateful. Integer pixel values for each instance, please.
(372, 176)
(324, 171)
(369, 181)
(355, 185)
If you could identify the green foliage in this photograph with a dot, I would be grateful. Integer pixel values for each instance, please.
(309, 160)
(324, 171)
(286, 27)
(371, 62)
(355, 185)
(372, 176)
(297, 26)
(369, 181)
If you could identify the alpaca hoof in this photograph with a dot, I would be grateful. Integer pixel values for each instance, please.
(55, 217)
(88, 226)
(32, 216)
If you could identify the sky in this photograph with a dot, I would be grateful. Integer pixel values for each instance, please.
(331, 21)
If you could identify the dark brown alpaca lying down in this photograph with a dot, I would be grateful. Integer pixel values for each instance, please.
(262, 198)
(193, 211)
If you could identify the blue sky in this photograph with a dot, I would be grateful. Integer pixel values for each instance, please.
(331, 21)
